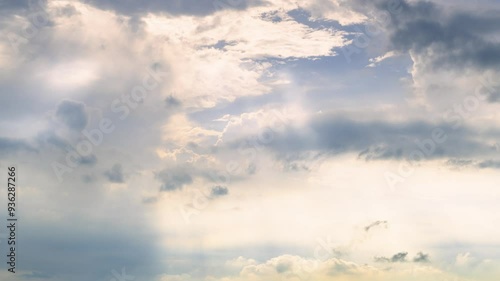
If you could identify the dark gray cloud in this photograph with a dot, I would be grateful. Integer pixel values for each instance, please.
(50, 138)
(21, 6)
(381, 259)
(73, 114)
(176, 177)
(452, 39)
(172, 102)
(456, 38)
(329, 135)
(374, 224)
(218, 191)
(115, 174)
(68, 11)
(186, 7)
(421, 257)
(489, 164)
(399, 257)
(87, 160)
(173, 179)
(8, 145)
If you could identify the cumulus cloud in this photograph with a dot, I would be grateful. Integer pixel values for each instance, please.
(437, 36)
(425, 28)
(290, 267)
(297, 267)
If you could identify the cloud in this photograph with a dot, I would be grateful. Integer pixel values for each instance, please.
(259, 55)
(399, 257)
(289, 266)
(292, 267)
(374, 224)
(218, 191)
(437, 36)
(421, 257)
(21, 6)
(172, 102)
(9, 145)
(489, 164)
(73, 114)
(334, 10)
(176, 7)
(481, 164)
(87, 160)
(173, 179)
(332, 135)
(115, 174)
(459, 163)
(424, 28)
(375, 61)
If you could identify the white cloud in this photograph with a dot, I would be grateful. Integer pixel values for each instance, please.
(375, 61)
(290, 267)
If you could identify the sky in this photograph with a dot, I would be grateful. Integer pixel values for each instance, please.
(252, 140)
